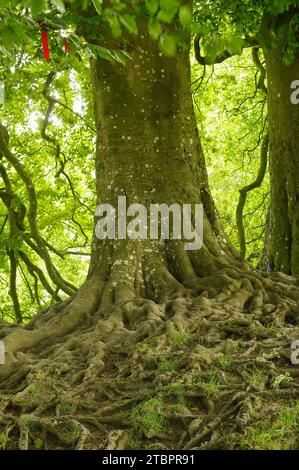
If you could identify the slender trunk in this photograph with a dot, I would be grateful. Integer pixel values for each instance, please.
(283, 230)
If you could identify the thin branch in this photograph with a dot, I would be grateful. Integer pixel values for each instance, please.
(249, 42)
(35, 270)
(244, 191)
(13, 285)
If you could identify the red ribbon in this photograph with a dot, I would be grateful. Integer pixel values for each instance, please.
(67, 47)
(45, 42)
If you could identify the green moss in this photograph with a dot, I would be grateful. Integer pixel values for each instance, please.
(242, 347)
(150, 360)
(39, 393)
(67, 408)
(149, 415)
(31, 424)
(156, 446)
(38, 444)
(280, 379)
(69, 433)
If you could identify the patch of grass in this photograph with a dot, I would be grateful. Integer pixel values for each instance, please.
(178, 339)
(281, 434)
(211, 385)
(176, 389)
(242, 347)
(149, 415)
(258, 377)
(4, 437)
(133, 443)
(290, 416)
(169, 365)
(224, 361)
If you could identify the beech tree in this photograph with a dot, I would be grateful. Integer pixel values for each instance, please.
(145, 302)
(272, 27)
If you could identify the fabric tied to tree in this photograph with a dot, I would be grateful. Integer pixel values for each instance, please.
(67, 47)
(45, 42)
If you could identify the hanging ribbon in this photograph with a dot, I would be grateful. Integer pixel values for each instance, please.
(45, 41)
(67, 47)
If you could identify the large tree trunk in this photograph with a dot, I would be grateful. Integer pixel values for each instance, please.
(148, 150)
(283, 232)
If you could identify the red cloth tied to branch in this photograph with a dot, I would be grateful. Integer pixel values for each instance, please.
(45, 41)
(67, 47)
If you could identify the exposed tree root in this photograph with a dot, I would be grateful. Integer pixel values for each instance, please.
(206, 367)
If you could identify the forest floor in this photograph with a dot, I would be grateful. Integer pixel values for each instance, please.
(198, 381)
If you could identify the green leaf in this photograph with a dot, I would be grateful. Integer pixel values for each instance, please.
(59, 4)
(129, 22)
(57, 23)
(119, 57)
(114, 24)
(152, 6)
(16, 203)
(168, 44)
(7, 37)
(113, 56)
(13, 34)
(166, 16)
(98, 6)
(102, 52)
(185, 16)
(118, 5)
(235, 45)
(37, 6)
(5, 3)
(170, 5)
(154, 28)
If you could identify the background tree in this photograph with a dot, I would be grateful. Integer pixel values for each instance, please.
(273, 26)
